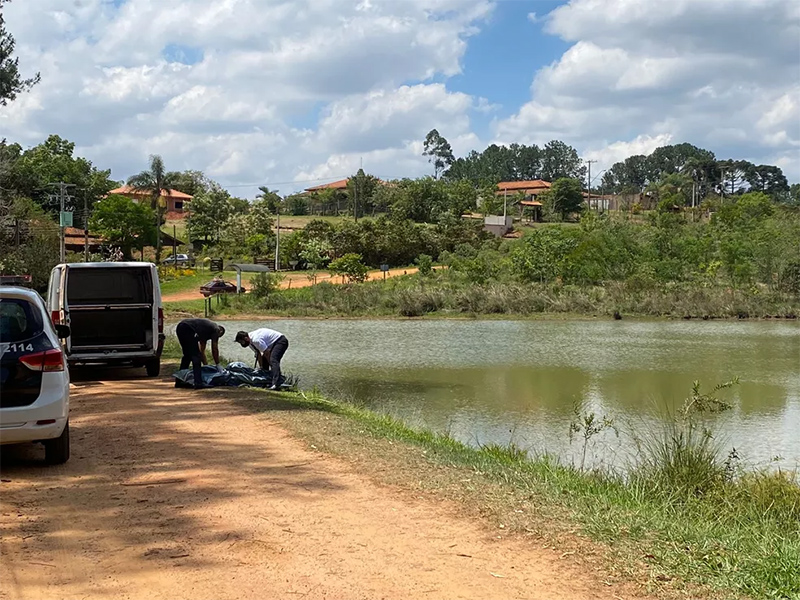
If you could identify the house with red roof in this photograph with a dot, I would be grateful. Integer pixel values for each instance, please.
(177, 203)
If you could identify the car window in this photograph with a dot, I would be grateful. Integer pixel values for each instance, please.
(19, 320)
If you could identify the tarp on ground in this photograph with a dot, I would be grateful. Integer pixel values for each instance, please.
(234, 375)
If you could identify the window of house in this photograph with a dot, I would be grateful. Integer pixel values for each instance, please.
(178, 205)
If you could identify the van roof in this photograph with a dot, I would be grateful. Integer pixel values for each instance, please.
(105, 265)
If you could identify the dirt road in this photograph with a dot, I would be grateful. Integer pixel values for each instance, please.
(176, 494)
(295, 280)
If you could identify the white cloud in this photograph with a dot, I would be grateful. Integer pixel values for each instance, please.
(716, 75)
(250, 90)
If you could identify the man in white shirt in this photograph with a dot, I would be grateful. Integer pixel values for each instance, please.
(269, 346)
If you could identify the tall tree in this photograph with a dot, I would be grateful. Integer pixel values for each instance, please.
(11, 82)
(360, 188)
(271, 198)
(565, 196)
(53, 161)
(561, 161)
(124, 223)
(767, 178)
(439, 151)
(190, 182)
(157, 182)
(209, 214)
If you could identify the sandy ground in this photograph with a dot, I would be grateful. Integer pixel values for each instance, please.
(294, 280)
(178, 494)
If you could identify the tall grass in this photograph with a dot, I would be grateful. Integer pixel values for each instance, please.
(448, 294)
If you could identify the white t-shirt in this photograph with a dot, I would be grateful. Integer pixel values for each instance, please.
(263, 339)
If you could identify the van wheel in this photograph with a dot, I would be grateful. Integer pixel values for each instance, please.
(153, 367)
(56, 451)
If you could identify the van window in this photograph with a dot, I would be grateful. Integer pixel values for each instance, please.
(19, 320)
(124, 285)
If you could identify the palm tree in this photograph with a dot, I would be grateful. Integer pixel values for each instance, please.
(155, 181)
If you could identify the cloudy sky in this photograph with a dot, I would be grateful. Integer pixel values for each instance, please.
(290, 93)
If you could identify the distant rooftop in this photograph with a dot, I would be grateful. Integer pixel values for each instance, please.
(126, 189)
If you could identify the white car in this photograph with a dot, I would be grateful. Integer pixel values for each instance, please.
(34, 379)
(180, 259)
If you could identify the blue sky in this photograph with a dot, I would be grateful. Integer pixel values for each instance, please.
(286, 93)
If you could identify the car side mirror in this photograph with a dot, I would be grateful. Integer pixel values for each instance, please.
(63, 331)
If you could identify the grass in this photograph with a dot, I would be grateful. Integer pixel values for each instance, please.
(740, 538)
(681, 522)
(443, 294)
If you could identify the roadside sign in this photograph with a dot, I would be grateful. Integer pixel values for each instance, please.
(384, 268)
(66, 218)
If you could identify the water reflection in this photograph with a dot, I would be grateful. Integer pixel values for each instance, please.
(501, 381)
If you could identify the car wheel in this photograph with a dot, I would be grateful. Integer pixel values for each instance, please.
(56, 451)
(153, 367)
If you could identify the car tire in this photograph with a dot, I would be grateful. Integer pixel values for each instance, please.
(153, 367)
(56, 451)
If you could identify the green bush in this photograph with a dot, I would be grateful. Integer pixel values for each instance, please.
(351, 267)
(264, 285)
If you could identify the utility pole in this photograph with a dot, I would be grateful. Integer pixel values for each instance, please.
(278, 238)
(589, 181)
(62, 215)
(85, 229)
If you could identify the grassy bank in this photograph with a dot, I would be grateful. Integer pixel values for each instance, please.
(685, 520)
(446, 294)
(730, 537)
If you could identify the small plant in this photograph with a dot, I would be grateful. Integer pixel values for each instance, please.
(264, 285)
(587, 426)
(424, 265)
(351, 267)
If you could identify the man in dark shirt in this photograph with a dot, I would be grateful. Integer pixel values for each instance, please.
(193, 334)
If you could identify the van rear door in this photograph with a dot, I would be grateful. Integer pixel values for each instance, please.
(110, 309)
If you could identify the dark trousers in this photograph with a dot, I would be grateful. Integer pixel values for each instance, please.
(276, 353)
(191, 351)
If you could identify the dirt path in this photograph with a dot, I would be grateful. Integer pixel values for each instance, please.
(294, 280)
(174, 494)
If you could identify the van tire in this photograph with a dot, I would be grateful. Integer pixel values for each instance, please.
(56, 451)
(153, 367)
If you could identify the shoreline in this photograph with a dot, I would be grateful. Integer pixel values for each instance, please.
(594, 514)
(176, 315)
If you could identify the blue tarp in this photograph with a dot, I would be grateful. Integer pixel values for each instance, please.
(235, 374)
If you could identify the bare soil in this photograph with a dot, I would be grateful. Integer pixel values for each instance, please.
(295, 280)
(179, 494)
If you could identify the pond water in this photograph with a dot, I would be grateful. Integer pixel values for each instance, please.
(520, 381)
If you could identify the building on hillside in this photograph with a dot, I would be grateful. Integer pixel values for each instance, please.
(334, 185)
(75, 240)
(177, 203)
(529, 205)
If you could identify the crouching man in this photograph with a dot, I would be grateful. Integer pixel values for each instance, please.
(193, 335)
(269, 346)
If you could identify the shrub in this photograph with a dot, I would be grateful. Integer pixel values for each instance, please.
(351, 267)
(264, 285)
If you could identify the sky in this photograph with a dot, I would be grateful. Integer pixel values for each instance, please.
(293, 93)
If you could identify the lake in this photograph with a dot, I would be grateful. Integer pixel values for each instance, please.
(507, 381)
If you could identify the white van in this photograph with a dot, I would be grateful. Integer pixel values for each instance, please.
(113, 311)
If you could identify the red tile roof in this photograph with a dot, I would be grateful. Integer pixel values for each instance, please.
(536, 184)
(334, 185)
(128, 190)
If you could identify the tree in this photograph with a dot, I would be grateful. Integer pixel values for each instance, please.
(11, 82)
(561, 161)
(157, 182)
(440, 154)
(190, 182)
(124, 223)
(767, 178)
(32, 172)
(270, 198)
(351, 267)
(208, 215)
(360, 188)
(565, 196)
